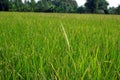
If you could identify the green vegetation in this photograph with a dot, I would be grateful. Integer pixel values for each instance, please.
(58, 6)
(65, 6)
(97, 6)
(34, 46)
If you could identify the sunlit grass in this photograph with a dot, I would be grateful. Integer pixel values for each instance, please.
(43, 46)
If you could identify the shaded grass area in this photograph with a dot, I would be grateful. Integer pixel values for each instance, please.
(33, 46)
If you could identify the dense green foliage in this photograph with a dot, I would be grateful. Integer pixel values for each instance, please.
(4, 5)
(96, 6)
(91, 6)
(65, 5)
(59, 6)
(33, 47)
(81, 9)
(118, 10)
(113, 10)
(40, 6)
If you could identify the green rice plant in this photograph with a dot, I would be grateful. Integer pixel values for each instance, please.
(43, 46)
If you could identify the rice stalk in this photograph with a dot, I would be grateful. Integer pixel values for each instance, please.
(66, 37)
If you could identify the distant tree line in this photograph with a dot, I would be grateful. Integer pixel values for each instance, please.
(66, 6)
(98, 6)
(62, 6)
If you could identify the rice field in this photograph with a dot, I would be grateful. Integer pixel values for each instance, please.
(44, 46)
